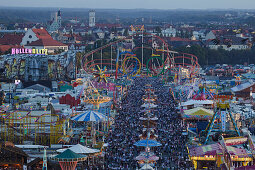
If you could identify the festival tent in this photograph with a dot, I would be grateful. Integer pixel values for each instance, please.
(89, 116)
(147, 156)
(80, 149)
(216, 149)
(206, 150)
(241, 153)
(147, 167)
(196, 102)
(198, 113)
(147, 143)
(150, 118)
(190, 104)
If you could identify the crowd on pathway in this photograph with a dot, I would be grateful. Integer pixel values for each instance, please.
(121, 152)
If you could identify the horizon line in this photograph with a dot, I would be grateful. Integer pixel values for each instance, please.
(129, 8)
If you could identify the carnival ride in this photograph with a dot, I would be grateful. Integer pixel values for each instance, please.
(40, 127)
(69, 159)
(100, 76)
(137, 55)
(219, 119)
(92, 96)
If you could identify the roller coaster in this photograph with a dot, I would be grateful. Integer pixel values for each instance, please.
(41, 127)
(140, 54)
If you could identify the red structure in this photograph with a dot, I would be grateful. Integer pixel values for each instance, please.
(69, 100)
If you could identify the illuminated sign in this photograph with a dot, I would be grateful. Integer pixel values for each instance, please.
(29, 51)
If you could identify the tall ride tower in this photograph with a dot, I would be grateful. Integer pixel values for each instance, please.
(92, 18)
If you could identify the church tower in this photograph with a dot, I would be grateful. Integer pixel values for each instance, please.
(59, 19)
(92, 18)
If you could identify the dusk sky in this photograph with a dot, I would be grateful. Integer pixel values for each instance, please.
(131, 4)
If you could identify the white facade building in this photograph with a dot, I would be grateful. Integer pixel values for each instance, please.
(92, 18)
(169, 32)
(233, 47)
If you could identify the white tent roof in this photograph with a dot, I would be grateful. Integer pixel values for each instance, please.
(147, 166)
(194, 110)
(242, 86)
(197, 102)
(80, 149)
(149, 105)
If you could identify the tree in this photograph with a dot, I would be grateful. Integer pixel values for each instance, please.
(158, 30)
(126, 32)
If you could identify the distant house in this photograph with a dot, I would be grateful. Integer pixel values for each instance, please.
(232, 43)
(199, 34)
(12, 157)
(10, 40)
(210, 35)
(41, 39)
(178, 42)
(99, 33)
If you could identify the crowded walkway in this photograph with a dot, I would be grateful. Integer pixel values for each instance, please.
(121, 151)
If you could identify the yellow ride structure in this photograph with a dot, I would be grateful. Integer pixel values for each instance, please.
(36, 127)
(92, 96)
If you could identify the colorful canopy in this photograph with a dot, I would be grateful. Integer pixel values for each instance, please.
(90, 116)
(198, 113)
(241, 153)
(80, 149)
(213, 149)
(69, 156)
(147, 143)
(208, 150)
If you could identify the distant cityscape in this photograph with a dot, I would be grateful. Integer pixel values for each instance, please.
(127, 89)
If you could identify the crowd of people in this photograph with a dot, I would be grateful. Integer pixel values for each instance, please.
(121, 152)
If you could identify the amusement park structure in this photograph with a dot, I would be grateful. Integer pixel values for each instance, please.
(39, 127)
(222, 110)
(140, 54)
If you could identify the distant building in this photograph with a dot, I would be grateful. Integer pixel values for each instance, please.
(178, 42)
(55, 22)
(92, 18)
(41, 39)
(169, 32)
(228, 44)
(10, 40)
(244, 90)
(199, 35)
(11, 156)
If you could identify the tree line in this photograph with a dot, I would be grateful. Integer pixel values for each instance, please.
(208, 56)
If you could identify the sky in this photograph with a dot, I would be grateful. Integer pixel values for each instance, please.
(134, 4)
